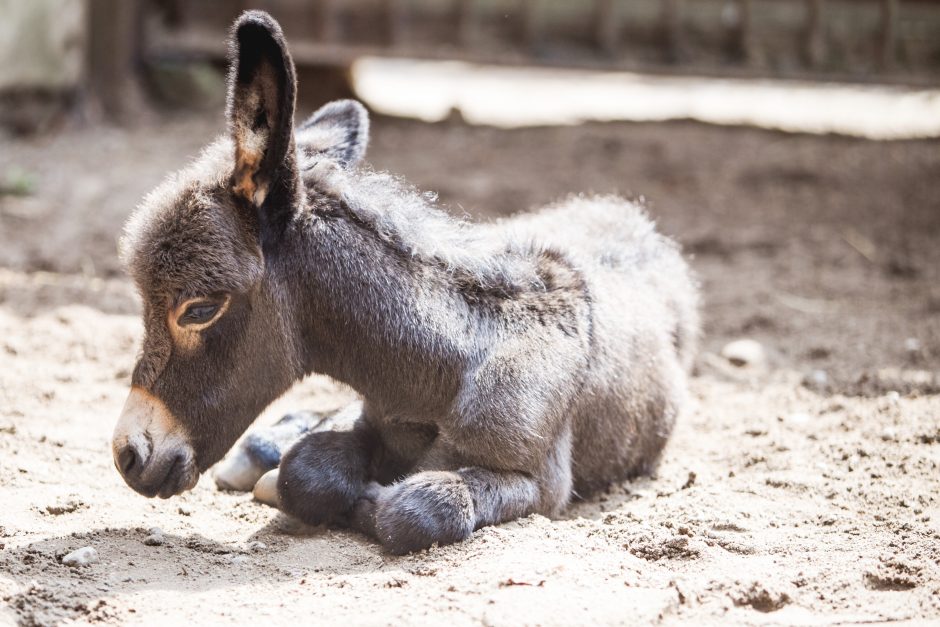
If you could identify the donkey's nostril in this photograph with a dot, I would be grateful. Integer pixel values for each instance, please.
(128, 460)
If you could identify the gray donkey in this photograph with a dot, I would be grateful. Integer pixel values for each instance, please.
(504, 368)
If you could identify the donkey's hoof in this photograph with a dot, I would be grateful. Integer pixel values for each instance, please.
(266, 489)
(425, 509)
(238, 472)
(261, 451)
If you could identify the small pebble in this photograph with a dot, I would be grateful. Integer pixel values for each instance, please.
(745, 353)
(256, 546)
(888, 434)
(893, 397)
(155, 538)
(81, 557)
(239, 559)
(912, 345)
(817, 379)
(798, 418)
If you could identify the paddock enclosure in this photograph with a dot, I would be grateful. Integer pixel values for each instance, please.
(800, 487)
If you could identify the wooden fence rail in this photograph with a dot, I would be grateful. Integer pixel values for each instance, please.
(857, 40)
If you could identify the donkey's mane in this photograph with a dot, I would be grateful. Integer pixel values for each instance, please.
(412, 223)
(486, 255)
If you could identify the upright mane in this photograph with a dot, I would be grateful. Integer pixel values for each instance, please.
(488, 255)
(414, 224)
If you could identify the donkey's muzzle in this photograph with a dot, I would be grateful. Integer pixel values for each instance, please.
(150, 449)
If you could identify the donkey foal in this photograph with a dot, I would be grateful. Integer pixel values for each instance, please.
(503, 368)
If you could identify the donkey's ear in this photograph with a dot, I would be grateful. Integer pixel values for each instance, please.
(261, 92)
(338, 130)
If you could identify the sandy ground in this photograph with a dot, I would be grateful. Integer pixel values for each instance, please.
(802, 492)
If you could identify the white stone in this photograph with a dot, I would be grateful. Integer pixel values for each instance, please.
(81, 557)
(154, 540)
(819, 379)
(799, 418)
(745, 353)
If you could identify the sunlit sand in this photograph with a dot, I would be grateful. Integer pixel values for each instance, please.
(514, 97)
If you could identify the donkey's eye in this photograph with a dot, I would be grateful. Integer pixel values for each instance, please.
(199, 313)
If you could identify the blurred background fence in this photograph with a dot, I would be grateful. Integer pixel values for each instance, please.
(98, 52)
(849, 39)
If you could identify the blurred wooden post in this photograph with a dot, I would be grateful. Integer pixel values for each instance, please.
(672, 29)
(606, 26)
(466, 21)
(745, 39)
(396, 12)
(114, 54)
(813, 41)
(889, 21)
(329, 28)
(530, 23)
(174, 13)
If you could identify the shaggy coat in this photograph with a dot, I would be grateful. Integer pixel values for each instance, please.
(504, 368)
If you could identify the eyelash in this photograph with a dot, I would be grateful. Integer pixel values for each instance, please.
(201, 312)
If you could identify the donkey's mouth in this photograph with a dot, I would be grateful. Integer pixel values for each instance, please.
(150, 452)
(165, 480)
(180, 475)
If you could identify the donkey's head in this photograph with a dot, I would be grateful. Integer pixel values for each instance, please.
(220, 341)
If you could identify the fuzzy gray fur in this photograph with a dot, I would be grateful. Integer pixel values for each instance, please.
(505, 368)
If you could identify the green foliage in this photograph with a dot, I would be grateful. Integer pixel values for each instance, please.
(17, 182)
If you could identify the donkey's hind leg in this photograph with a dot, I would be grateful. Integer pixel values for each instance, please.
(261, 450)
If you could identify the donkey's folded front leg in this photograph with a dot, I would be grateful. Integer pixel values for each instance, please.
(443, 507)
(262, 449)
(323, 475)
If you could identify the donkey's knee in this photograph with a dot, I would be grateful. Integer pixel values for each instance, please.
(424, 509)
(323, 475)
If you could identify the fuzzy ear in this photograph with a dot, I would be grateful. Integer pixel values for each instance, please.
(338, 130)
(261, 93)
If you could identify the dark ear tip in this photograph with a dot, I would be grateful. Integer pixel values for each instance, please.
(254, 21)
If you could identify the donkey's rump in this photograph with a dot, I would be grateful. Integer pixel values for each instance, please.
(617, 246)
(644, 330)
(594, 229)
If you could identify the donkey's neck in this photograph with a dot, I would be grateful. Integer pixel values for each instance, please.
(394, 327)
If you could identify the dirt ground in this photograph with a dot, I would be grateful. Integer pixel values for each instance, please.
(801, 492)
